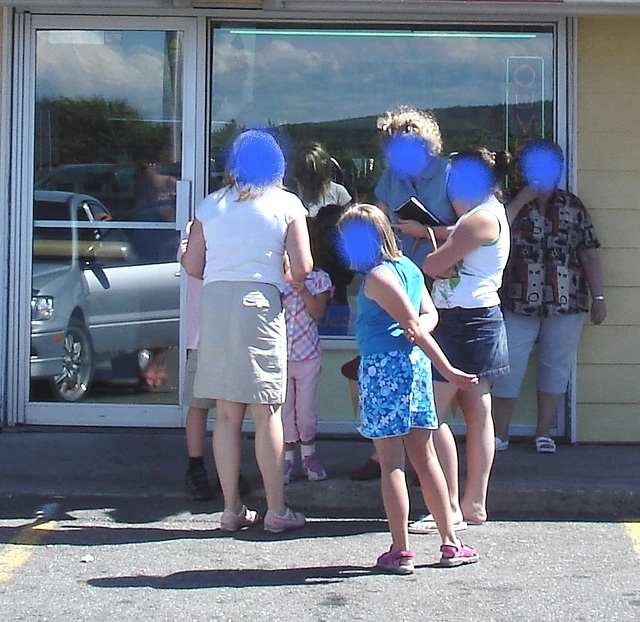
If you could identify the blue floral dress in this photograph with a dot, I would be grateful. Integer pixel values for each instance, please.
(394, 377)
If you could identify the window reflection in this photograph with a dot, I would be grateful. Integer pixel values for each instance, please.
(108, 150)
(490, 87)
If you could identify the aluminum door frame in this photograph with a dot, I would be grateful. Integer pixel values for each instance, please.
(20, 153)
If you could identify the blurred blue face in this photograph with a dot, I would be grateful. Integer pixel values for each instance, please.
(470, 180)
(256, 160)
(407, 155)
(541, 166)
(359, 245)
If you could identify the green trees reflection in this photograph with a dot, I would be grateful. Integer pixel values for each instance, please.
(89, 130)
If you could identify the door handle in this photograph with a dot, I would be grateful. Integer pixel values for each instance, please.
(183, 203)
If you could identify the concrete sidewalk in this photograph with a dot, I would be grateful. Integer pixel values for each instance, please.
(589, 482)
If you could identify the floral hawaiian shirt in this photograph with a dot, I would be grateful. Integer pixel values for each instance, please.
(544, 276)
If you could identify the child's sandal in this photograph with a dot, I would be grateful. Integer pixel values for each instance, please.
(396, 562)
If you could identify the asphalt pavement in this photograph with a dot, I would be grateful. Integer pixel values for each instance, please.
(580, 482)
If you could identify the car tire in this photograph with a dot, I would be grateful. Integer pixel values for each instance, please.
(73, 381)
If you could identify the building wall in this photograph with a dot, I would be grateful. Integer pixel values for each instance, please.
(609, 184)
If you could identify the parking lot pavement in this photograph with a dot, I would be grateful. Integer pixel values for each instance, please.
(96, 526)
(115, 561)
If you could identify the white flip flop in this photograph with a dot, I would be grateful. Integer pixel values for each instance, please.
(427, 524)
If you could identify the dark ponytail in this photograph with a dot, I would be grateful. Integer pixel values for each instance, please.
(502, 164)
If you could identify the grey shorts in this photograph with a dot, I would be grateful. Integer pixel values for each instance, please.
(556, 341)
(242, 355)
(189, 376)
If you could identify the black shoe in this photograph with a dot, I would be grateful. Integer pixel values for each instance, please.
(244, 487)
(197, 484)
(369, 470)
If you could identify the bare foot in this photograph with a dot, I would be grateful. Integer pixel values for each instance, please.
(474, 513)
(155, 375)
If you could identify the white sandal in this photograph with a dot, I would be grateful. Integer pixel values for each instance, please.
(501, 445)
(427, 524)
(545, 445)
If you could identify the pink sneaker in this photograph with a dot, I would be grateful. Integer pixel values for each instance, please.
(289, 520)
(457, 555)
(313, 469)
(396, 562)
(232, 522)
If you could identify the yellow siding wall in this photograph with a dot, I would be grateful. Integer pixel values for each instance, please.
(609, 183)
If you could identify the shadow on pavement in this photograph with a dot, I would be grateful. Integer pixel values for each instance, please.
(250, 577)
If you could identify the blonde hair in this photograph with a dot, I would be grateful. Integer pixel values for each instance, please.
(364, 212)
(406, 119)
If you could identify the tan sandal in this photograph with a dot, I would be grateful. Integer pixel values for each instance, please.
(230, 521)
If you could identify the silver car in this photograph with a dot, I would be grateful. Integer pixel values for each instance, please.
(94, 296)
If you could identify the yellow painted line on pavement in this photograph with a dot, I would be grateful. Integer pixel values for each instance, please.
(633, 531)
(20, 549)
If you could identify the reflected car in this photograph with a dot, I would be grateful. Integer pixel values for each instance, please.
(93, 299)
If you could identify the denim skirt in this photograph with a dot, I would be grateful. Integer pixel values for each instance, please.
(474, 340)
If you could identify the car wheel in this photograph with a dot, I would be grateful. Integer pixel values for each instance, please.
(75, 377)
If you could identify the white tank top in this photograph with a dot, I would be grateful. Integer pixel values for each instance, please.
(245, 239)
(479, 274)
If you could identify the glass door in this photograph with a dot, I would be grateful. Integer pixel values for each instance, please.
(110, 195)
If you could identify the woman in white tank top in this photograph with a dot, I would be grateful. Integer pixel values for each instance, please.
(467, 269)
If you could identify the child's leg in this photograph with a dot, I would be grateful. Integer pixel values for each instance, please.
(395, 495)
(306, 399)
(196, 479)
(445, 445)
(307, 417)
(476, 407)
(422, 454)
(291, 435)
(196, 431)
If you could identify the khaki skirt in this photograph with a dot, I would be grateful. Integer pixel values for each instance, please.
(242, 354)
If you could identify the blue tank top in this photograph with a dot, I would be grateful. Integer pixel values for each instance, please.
(376, 330)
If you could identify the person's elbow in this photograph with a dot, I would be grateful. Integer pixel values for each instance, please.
(429, 268)
(300, 270)
(192, 268)
(414, 328)
(428, 322)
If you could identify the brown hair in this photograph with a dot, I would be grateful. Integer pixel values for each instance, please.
(312, 171)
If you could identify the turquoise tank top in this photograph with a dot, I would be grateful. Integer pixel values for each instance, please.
(376, 330)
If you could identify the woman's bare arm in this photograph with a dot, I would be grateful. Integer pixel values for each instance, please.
(480, 228)
(299, 249)
(383, 287)
(590, 262)
(194, 256)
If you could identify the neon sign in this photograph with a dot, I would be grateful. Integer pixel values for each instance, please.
(525, 114)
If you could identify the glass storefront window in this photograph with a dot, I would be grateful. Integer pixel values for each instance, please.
(490, 87)
(108, 157)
